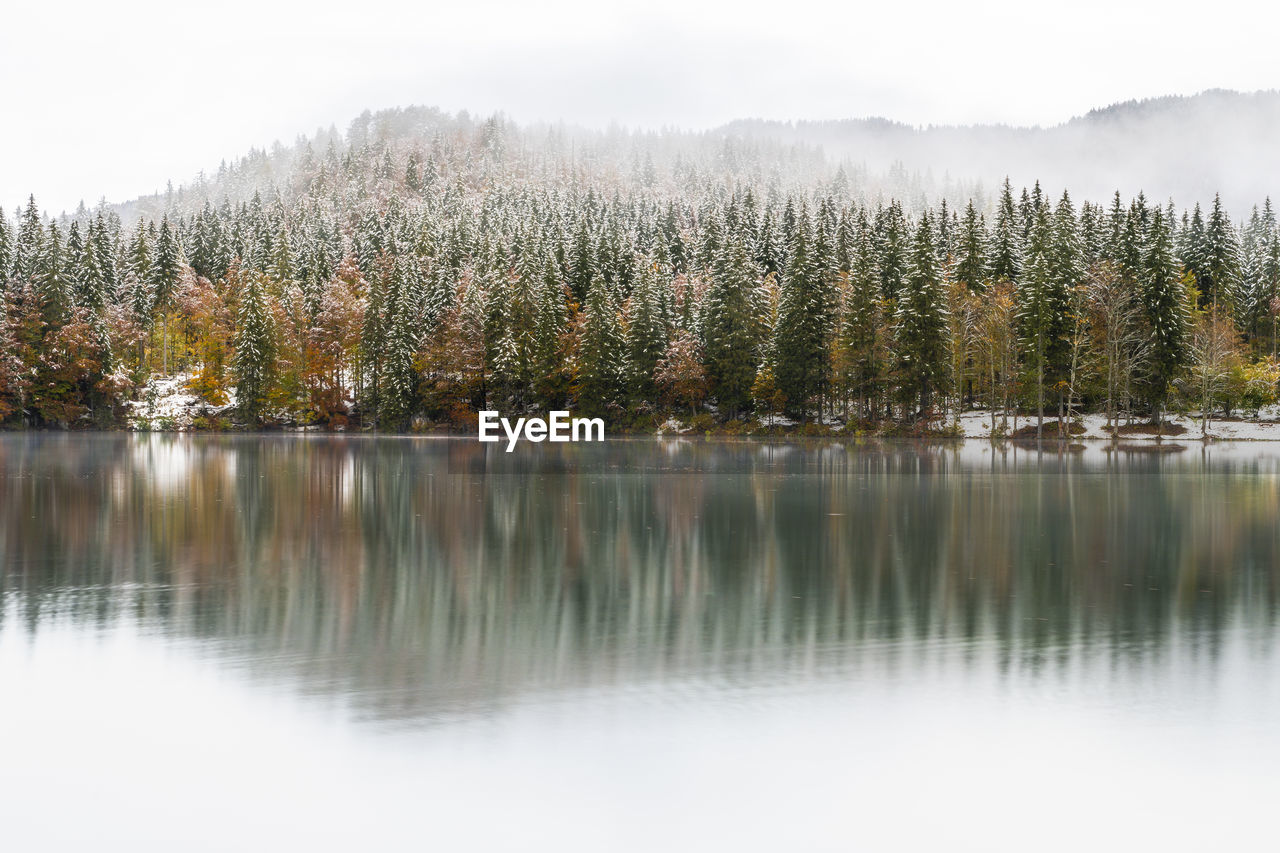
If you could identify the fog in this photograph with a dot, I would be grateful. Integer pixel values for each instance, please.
(1184, 148)
(117, 99)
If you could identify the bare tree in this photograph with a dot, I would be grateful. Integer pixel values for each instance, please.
(998, 345)
(1117, 327)
(962, 329)
(1215, 349)
(1081, 358)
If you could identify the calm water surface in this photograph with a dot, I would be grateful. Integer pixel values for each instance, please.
(280, 643)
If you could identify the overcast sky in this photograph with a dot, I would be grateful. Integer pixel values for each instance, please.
(114, 98)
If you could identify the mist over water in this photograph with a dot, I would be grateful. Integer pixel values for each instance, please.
(332, 639)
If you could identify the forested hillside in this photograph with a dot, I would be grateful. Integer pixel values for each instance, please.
(423, 266)
(1187, 148)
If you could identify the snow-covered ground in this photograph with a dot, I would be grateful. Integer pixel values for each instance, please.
(164, 403)
(671, 425)
(1266, 428)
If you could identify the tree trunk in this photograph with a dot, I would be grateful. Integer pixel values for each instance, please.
(1039, 399)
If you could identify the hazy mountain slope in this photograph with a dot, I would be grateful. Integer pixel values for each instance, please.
(1184, 147)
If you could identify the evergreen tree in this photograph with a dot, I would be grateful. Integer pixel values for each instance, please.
(6, 251)
(53, 279)
(548, 352)
(893, 237)
(1164, 300)
(1220, 262)
(138, 276)
(920, 323)
(1005, 255)
(398, 380)
(602, 358)
(649, 326)
(30, 242)
(862, 329)
(731, 330)
(253, 366)
(971, 254)
(1043, 296)
(800, 361)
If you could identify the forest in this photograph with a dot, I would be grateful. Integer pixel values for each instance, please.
(424, 266)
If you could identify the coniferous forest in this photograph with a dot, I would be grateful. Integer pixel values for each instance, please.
(420, 267)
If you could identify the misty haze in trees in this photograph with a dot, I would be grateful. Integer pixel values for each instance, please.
(423, 266)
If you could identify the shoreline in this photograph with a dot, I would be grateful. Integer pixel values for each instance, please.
(763, 436)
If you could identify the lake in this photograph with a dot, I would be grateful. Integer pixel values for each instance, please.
(337, 643)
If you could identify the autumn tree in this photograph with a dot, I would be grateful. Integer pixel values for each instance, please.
(680, 374)
(1215, 351)
(333, 341)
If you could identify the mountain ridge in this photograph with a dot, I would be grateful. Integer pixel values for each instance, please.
(1188, 148)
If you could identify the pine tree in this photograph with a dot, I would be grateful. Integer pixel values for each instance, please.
(549, 355)
(1005, 255)
(138, 275)
(800, 360)
(6, 251)
(602, 358)
(398, 381)
(892, 238)
(1043, 296)
(862, 328)
(731, 330)
(649, 329)
(14, 380)
(413, 174)
(164, 274)
(1164, 300)
(373, 343)
(53, 279)
(253, 366)
(91, 286)
(920, 323)
(971, 254)
(1220, 262)
(167, 266)
(583, 267)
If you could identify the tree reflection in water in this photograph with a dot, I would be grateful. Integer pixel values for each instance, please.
(425, 577)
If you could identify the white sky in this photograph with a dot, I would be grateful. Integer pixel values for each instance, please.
(114, 98)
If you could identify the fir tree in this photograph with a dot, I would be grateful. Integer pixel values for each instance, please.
(648, 327)
(1163, 299)
(6, 251)
(920, 323)
(862, 328)
(30, 242)
(398, 379)
(1043, 296)
(53, 279)
(800, 360)
(731, 329)
(971, 254)
(1220, 262)
(893, 236)
(1005, 255)
(602, 358)
(253, 366)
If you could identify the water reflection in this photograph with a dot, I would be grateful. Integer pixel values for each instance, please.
(418, 579)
